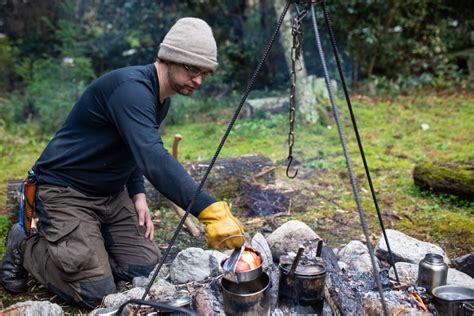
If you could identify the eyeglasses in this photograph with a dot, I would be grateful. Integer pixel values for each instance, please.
(196, 72)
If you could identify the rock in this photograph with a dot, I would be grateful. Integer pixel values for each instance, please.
(406, 248)
(356, 255)
(162, 291)
(215, 259)
(408, 273)
(135, 293)
(363, 264)
(140, 281)
(163, 274)
(33, 308)
(456, 277)
(343, 266)
(102, 311)
(354, 248)
(465, 264)
(289, 237)
(260, 244)
(195, 264)
(115, 299)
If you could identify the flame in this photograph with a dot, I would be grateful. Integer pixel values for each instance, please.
(418, 298)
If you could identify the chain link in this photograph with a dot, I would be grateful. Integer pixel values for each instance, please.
(297, 35)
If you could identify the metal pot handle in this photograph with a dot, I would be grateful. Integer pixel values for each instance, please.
(467, 309)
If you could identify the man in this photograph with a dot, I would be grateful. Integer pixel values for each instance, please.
(94, 222)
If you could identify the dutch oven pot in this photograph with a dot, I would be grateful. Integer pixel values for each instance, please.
(454, 300)
(305, 286)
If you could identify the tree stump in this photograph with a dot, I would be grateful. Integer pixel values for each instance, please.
(443, 177)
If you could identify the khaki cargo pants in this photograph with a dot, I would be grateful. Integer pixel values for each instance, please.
(84, 243)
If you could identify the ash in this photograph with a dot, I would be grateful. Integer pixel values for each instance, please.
(365, 282)
(266, 201)
(404, 300)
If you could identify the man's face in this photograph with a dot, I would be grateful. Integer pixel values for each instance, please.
(184, 79)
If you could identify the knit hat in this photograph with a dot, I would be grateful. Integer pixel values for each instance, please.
(190, 41)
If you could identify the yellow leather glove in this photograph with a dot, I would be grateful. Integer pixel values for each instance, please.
(220, 224)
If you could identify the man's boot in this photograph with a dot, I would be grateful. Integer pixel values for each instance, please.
(12, 274)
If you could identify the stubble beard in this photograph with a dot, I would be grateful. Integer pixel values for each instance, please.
(181, 89)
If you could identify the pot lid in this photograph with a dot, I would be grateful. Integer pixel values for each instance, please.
(307, 269)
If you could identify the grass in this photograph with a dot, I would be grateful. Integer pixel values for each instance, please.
(393, 141)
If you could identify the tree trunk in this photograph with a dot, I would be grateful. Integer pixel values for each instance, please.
(305, 99)
(450, 178)
(393, 5)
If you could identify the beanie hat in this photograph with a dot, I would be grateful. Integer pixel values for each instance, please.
(190, 41)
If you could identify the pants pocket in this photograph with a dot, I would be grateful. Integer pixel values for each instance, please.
(48, 192)
(72, 252)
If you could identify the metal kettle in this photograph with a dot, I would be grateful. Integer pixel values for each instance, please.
(432, 272)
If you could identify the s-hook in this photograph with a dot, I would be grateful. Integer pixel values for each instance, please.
(290, 160)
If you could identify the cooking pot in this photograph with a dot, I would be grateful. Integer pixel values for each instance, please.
(247, 298)
(244, 276)
(305, 285)
(454, 300)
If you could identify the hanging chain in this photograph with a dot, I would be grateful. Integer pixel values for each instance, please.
(297, 35)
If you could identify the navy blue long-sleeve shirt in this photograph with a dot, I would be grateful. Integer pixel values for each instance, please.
(110, 139)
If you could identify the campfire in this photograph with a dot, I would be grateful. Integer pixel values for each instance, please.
(297, 274)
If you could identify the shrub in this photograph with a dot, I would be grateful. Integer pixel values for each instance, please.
(52, 87)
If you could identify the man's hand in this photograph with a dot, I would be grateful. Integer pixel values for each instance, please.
(223, 230)
(143, 213)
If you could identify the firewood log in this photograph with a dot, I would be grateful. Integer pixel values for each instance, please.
(443, 177)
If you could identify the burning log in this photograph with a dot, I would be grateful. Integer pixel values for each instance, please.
(209, 300)
(338, 292)
(203, 302)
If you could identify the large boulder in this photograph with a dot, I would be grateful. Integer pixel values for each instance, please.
(289, 236)
(356, 255)
(408, 273)
(406, 248)
(195, 264)
(465, 264)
